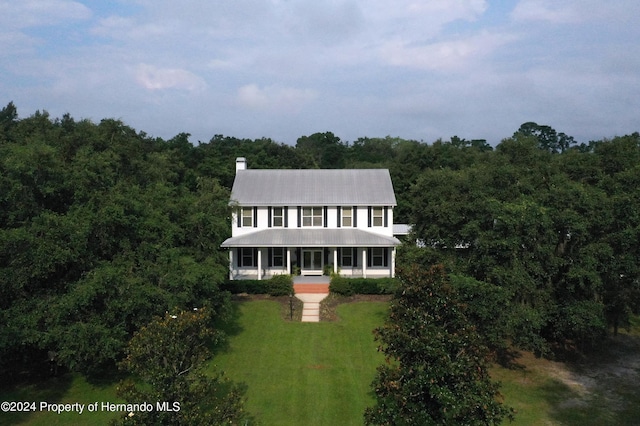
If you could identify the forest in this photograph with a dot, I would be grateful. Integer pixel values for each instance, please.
(103, 227)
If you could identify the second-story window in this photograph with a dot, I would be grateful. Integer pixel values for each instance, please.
(312, 216)
(347, 217)
(277, 217)
(377, 215)
(247, 217)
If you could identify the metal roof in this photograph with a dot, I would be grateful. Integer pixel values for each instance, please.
(401, 229)
(286, 237)
(324, 187)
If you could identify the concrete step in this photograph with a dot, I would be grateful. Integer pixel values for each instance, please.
(311, 306)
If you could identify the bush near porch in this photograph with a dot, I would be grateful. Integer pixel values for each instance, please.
(278, 285)
(351, 286)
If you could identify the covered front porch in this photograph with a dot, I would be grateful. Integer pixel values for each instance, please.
(311, 263)
(314, 252)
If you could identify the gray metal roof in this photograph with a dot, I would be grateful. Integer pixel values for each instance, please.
(324, 187)
(401, 229)
(286, 237)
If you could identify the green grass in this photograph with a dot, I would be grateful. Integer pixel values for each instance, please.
(304, 373)
(320, 374)
(66, 389)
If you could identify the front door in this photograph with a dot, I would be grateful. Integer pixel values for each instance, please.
(312, 262)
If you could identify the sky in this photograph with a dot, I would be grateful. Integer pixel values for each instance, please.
(282, 69)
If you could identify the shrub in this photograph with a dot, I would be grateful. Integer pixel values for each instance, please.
(280, 285)
(246, 286)
(351, 286)
(341, 285)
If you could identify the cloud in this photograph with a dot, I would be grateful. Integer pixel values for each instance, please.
(447, 55)
(576, 11)
(327, 22)
(15, 42)
(545, 10)
(153, 78)
(411, 68)
(287, 98)
(33, 13)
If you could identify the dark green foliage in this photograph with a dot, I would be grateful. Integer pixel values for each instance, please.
(323, 150)
(436, 370)
(350, 286)
(581, 323)
(278, 285)
(167, 357)
(555, 227)
(99, 231)
(488, 307)
(246, 286)
(548, 138)
(102, 227)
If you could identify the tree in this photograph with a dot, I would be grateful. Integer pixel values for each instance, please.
(101, 228)
(325, 150)
(8, 117)
(167, 356)
(548, 138)
(436, 370)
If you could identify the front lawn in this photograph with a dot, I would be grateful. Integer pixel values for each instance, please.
(320, 373)
(304, 373)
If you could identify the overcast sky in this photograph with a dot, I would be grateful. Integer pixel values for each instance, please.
(281, 69)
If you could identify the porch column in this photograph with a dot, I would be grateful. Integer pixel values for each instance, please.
(364, 262)
(231, 263)
(288, 260)
(393, 262)
(259, 264)
(335, 260)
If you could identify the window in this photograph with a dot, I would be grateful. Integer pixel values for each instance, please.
(377, 214)
(247, 216)
(347, 217)
(346, 258)
(377, 256)
(312, 216)
(277, 218)
(277, 256)
(247, 257)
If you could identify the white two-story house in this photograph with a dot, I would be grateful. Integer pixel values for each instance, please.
(311, 222)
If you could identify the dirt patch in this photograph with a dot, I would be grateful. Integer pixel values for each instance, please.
(607, 378)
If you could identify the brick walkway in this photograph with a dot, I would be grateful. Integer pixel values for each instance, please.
(311, 288)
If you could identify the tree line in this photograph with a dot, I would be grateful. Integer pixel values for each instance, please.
(103, 228)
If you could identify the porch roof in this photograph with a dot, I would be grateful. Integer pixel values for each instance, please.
(311, 238)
